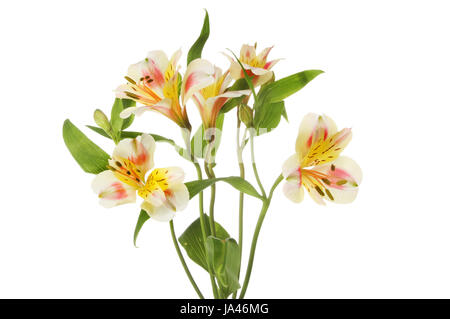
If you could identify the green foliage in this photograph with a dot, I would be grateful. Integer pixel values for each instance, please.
(225, 260)
(239, 183)
(91, 158)
(195, 51)
(126, 103)
(192, 240)
(269, 106)
(143, 217)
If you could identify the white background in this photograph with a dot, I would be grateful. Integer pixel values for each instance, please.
(387, 66)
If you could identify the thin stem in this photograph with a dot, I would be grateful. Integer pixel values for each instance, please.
(255, 170)
(210, 173)
(262, 215)
(239, 150)
(183, 262)
(200, 207)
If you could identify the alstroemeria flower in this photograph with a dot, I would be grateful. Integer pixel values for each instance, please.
(317, 165)
(206, 85)
(153, 83)
(255, 65)
(162, 189)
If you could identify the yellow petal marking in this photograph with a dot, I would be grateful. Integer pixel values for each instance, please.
(157, 180)
(325, 150)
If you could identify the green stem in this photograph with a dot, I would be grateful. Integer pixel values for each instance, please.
(239, 149)
(255, 170)
(210, 173)
(183, 262)
(200, 208)
(262, 215)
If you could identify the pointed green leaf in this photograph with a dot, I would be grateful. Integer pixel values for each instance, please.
(269, 106)
(116, 120)
(196, 50)
(88, 155)
(225, 258)
(270, 117)
(143, 217)
(126, 103)
(192, 240)
(239, 183)
(131, 134)
(278, 90)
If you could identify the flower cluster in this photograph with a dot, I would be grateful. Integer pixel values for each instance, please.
(159, 84)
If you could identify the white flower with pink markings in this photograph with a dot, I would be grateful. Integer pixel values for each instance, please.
(162, 189)
(317, 165)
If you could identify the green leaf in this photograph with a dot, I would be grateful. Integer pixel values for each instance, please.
(240, 84)
(192, 240)
(131, 134)
(88, 155)
(116, 120)
(129, 120)
(199, 140)
(225, 260)
(143, 217)
(239, 183)
(268, 98)
(278, 90)
(195, 51)
(270, 118)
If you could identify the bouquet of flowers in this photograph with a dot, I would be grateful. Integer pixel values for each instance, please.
(250, 89)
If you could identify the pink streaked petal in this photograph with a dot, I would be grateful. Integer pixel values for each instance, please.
(157, 63)
(270, 64)
(262, 79)
(313, 128)
(111, 191)
(199, 74)
(262, 56)
(340, 170)
(138, 150)
(156, 198)
(248, 53)
(177, 196)
(174, 175)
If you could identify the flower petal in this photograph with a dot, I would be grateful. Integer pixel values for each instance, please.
(343, 178)
(138, 151)
(157, 63)
(293, 191)
(291, 166)
(262, 56)
(111, 191)
(248, 53)
(313, 128)
(174, 175)
(160, 213)
(177, 196)
(199, 74)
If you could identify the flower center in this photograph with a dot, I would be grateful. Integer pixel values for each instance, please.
(157, 180)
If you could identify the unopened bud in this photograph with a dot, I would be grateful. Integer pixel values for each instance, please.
(102, 121)
(246, 115)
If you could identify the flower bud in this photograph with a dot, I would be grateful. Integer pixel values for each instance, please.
(102, 121)
(246, 115)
